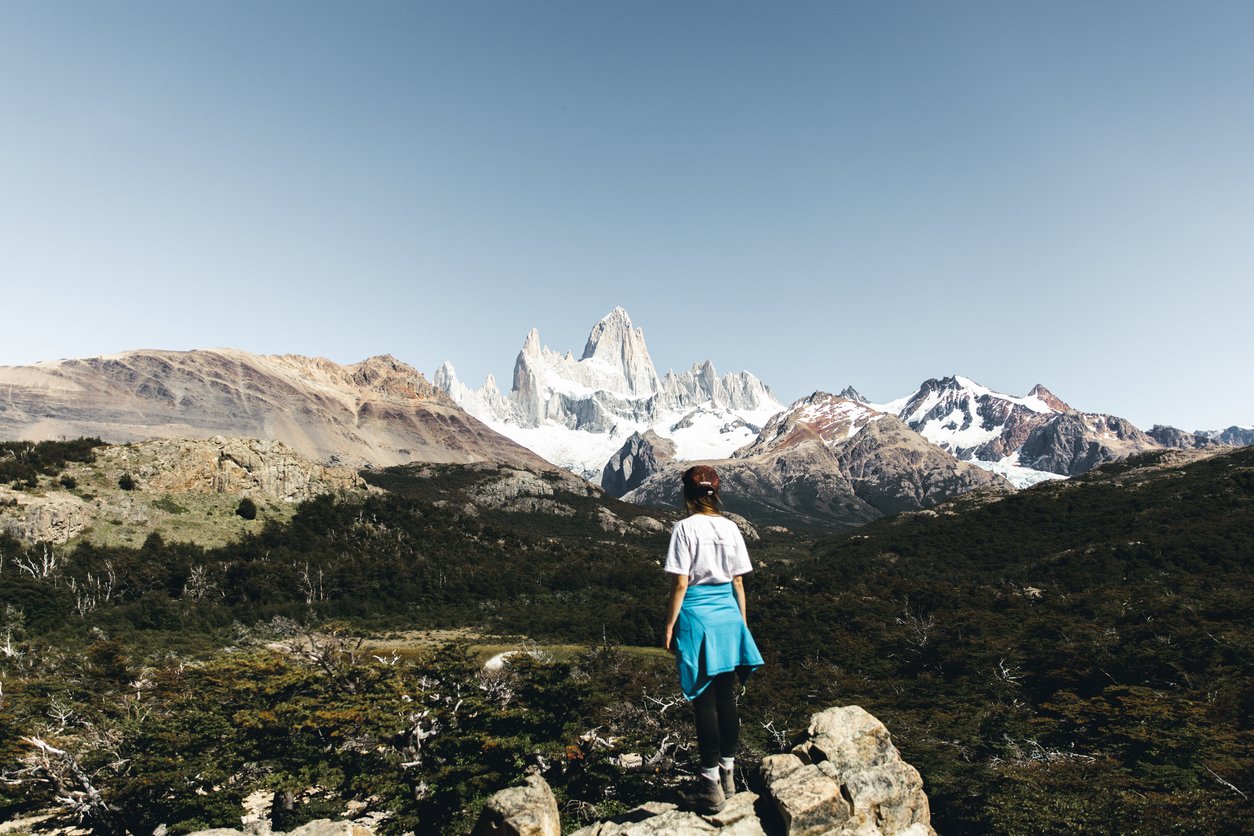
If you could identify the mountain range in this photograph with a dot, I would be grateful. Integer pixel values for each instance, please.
(607, 416)
(577, 413)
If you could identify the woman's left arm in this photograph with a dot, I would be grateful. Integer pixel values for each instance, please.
(738, 586)
(673, 604)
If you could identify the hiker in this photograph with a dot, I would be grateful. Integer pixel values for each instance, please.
(706, 630)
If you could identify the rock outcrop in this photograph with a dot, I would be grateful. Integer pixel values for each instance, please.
(845, 778)
(241, 466)
(317, 827)
(164, 473)
(1076, 442)
(639, 458)
(1180, 439)
(377, 412)
(529, 810)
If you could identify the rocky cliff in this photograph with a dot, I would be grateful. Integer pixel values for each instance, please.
(378, 412)
(1076, 442)
(640, 457)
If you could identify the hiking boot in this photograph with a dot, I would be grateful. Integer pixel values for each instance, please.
(727, 778)
(705, 796)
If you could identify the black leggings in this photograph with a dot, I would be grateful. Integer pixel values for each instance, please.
(718, 724)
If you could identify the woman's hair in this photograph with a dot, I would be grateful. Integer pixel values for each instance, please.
(701, 490)
(702, 504)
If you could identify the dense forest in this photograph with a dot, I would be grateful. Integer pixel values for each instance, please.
(1072, 657)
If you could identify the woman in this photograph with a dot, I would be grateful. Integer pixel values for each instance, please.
(705, 629)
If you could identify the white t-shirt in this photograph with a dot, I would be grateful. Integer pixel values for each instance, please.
(708, 549)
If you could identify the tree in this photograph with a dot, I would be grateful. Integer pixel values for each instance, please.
(247, 509)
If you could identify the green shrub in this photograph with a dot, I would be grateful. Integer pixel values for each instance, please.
(246, 509)
(126, 482)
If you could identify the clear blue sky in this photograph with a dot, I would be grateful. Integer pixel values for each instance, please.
(823, 193)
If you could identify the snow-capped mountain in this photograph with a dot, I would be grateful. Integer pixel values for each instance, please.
(1027, 439)
(578, 412)
(832, 419)
(980, 425)
(824, 460)
(972, 421)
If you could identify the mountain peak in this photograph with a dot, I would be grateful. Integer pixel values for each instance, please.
(851, 394)
(614, 327)
(531, 345)
(1049, 398)
(614, 342)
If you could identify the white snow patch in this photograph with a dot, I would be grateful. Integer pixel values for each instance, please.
(947, 432)
(1016, 474)
(711, 434)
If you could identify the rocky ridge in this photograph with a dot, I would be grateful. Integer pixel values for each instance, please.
(378, 412)
(1076, 442)
(1173, 437)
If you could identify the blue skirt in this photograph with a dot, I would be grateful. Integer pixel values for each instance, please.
(711, 638)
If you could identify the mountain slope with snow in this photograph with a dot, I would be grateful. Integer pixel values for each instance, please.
(828, 460)
(577, 413)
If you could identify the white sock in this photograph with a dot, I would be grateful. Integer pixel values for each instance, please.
(727, 764)
(710, 774)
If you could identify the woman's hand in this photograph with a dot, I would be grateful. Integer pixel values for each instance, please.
(667, 642)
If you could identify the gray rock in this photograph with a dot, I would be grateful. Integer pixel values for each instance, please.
(647, 524)
(326, 827)
(739, 808)
(848, 771)
(808, 800)
(672, 822)
(1076, 442)
(529, 810)
(640, 457)
(1174, 437)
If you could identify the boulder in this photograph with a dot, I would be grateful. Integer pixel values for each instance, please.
(809, 800)
(848, 771)
(529, 810)
(326, 827)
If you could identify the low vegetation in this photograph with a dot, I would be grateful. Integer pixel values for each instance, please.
(22, 462)
(1074, 657)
